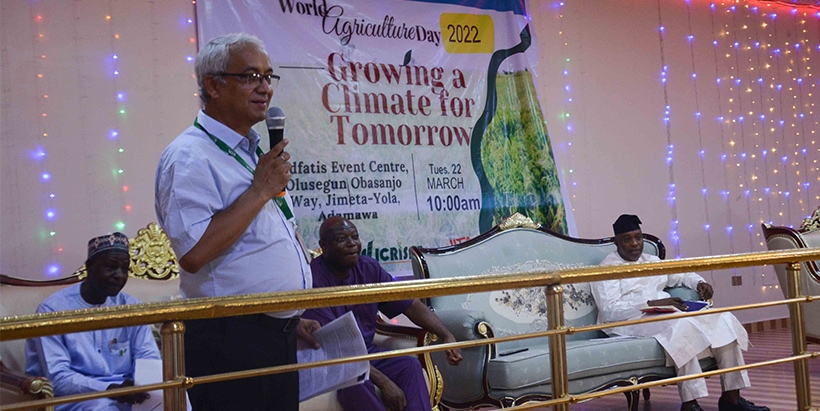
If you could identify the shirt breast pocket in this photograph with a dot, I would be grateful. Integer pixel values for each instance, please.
(120, 357)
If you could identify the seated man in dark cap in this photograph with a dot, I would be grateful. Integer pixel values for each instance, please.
(683, 339)
(97, 360)
(400, 379)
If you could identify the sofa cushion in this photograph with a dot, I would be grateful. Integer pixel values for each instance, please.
(584, 359)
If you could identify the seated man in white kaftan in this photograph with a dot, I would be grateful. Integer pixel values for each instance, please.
(683, 339)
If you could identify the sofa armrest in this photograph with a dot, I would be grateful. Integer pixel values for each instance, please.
(466, 382)
(22, 387)
(465, 325)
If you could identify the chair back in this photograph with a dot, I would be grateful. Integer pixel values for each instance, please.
(787, 238)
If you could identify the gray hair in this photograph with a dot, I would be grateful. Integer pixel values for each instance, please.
(216, 56)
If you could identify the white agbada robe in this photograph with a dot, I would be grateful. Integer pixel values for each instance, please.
(683, 338)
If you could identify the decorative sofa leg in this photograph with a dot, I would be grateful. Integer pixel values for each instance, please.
(646, 394)
(632, 398)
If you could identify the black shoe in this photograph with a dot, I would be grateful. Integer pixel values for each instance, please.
(694, 407)
(742, 405)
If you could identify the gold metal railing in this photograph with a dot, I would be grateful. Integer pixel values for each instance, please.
(172, 313)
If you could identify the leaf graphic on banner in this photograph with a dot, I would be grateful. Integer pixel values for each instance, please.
(511, 154)
(407, 57)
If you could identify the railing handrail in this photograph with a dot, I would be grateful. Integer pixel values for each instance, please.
(36, 325)
(172, 312)
(438, 347)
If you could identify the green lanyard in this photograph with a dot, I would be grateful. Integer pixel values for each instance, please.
(279, 200)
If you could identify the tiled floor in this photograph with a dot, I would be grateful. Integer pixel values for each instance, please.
(771, 386)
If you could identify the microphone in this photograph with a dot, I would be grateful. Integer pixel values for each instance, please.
(275, 119)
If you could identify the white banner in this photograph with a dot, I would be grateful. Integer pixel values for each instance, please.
(417, 120)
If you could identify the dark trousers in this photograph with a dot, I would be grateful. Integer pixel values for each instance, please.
(219, 345)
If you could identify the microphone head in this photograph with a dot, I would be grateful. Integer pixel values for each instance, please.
(275, 118)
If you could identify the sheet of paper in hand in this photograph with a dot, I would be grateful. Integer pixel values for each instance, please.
(338, 339)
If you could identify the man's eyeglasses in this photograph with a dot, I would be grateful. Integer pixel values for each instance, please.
(254, 79)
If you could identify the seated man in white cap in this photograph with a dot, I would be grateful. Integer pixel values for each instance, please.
(96, 360)
(683, 339)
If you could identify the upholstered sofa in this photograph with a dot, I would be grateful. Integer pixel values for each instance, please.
(515, 372)
(154, 277)
(807, 236)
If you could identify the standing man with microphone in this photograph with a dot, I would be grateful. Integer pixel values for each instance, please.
(218, 200)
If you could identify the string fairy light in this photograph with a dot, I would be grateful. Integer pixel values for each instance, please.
(766, 118)
(103, 122)
(671, 197)
(119, 119)
(564, 115)
(698, 117)
(752, 130)
(39, 154)
(115, 136)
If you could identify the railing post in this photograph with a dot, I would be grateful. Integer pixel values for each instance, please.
(801, 368)
(173, 363)
(558, 344)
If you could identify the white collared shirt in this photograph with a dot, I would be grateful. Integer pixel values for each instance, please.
(195, 180)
